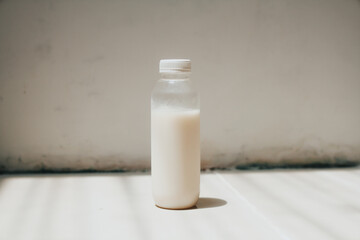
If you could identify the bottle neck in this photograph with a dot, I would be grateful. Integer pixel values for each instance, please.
(176, 76)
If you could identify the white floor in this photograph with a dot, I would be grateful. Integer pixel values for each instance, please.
(274, 204)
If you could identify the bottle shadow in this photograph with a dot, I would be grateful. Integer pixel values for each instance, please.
(202, 203)
(207, 202)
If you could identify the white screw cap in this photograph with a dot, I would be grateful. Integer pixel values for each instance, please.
(174, 65)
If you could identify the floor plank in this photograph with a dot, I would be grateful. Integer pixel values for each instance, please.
(114, 206)
(305, 204)
(274, 204)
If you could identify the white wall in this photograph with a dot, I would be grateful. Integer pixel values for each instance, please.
(279, 80)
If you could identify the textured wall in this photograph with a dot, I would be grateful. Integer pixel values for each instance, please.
(279, 80)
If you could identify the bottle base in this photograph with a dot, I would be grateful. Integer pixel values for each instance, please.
(177, 202)
(180, 208)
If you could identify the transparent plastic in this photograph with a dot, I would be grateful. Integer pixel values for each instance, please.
(175, 142)
(175, 91)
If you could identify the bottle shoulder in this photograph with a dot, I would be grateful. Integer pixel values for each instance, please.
(179, 94)
(175, 87)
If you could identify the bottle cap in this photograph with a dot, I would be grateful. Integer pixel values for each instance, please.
(174, 65)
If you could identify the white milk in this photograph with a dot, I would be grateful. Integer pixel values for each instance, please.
(175, 157)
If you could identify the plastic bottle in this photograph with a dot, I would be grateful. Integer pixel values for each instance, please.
(175, 137)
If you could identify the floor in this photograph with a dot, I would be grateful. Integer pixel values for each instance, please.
(268, 204)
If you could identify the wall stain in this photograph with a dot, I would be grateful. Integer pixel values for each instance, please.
(309, 152)
(43, 50)
(58, 109)
(94, 59)
(40, 20)
(93, 94)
